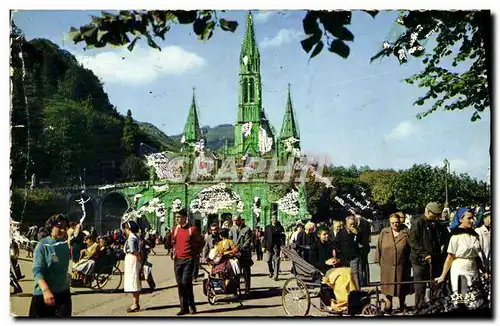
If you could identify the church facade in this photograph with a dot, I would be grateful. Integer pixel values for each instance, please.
(210, 199)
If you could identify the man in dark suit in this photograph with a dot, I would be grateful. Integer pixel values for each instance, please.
(429, 243)
(274, 238)
(350, 247)
(242, 237)
(364, 230)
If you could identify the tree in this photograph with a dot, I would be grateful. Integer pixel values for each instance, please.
(449, 90)
(381, 184)
(134, 169)
(129, 134)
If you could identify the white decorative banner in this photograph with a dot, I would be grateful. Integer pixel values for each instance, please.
(289, 204)
(161, 188)
(212, 199)
(246, 129)
(265, 142)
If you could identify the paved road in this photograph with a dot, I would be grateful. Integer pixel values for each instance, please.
(264, 301)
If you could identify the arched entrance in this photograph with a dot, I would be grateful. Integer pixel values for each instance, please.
(214, 204)
(113, 207)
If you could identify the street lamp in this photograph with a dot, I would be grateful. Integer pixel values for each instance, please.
(447, 169)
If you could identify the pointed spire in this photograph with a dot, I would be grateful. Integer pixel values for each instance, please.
(192, 130)
(289, 128)
(249, 47)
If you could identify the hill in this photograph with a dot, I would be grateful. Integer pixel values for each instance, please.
(164, 142)
(215, 136)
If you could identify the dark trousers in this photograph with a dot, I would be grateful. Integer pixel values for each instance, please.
(273, 261)
(184, 276)
(14, 282)
(365, 270)
(258, 250)
(356, 270)
(247, 274)
(422, 272)
(196, 267)
(16, 267)
(62, 308)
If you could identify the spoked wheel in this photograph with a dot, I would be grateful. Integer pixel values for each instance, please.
(295, 298)
(370, 310)
(211, 296)
(243, 288)
(108, 281)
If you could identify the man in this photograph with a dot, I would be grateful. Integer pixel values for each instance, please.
(274, 236)
(305, 239)
(211, 241)
(258, 242)
(350, 248)
(364, 230)
(429, 242)
(242, 237)
(186, 243)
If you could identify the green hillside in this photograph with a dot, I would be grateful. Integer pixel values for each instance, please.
(215, 137)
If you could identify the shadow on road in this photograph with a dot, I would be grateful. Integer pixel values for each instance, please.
(244, 307)
(256, 294)
(172, 306)
(144, 291)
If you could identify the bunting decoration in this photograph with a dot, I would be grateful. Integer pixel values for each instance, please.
(265, 142)
(218, 197)
(289, 204)
(246, 129)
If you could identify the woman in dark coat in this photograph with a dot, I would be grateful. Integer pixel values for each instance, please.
(393, 256)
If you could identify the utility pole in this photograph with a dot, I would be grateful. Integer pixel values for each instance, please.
(447, 169)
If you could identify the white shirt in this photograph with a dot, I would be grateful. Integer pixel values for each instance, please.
(464, 246)
(484, 239)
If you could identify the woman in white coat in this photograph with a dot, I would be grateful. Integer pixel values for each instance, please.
(133, 263)
(464, 263)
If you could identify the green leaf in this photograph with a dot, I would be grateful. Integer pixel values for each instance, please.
(342, 33)
(185, 17)
(308, 43)
(131, 46)
(228, 26)
(152, 43)
(475, 116)
(372, 13)
(339, 47)
(310, 23)
(317, 49)
(199, 26)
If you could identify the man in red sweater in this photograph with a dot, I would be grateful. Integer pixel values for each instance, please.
(186, 243)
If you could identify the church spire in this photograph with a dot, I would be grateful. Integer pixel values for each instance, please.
(249, 47)
(289, 128)
(192, 132)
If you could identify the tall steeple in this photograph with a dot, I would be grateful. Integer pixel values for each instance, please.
(289, 138)
(249, 95)
(192, 132)
(289, 128)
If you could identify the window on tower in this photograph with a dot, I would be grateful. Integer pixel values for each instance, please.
(251, 90)
(245, 90)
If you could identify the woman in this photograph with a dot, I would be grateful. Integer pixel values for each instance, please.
(393, 256)
(85, 265)
(52, 296)
(305, 239)
(133, 264)
(464, 263)
(226, 250)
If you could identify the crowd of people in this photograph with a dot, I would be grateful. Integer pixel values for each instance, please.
(434, 252)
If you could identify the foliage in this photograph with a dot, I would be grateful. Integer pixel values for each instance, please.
(148, 132)
(447, 89)
(421, 184)
(40, 205)
(73, 128)
(380, 183)
(115, 29)
(134, 169)
(129, 135)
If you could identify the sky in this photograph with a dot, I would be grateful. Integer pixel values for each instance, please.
(350, 110)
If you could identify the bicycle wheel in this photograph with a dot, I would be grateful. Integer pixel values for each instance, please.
(295, 298)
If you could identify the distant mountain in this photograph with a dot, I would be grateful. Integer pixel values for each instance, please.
(161, 141)
(215, 137)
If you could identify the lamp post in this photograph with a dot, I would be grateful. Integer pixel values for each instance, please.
(447, 169)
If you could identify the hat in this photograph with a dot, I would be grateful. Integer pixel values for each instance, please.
(434, 207)
(87, 233)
